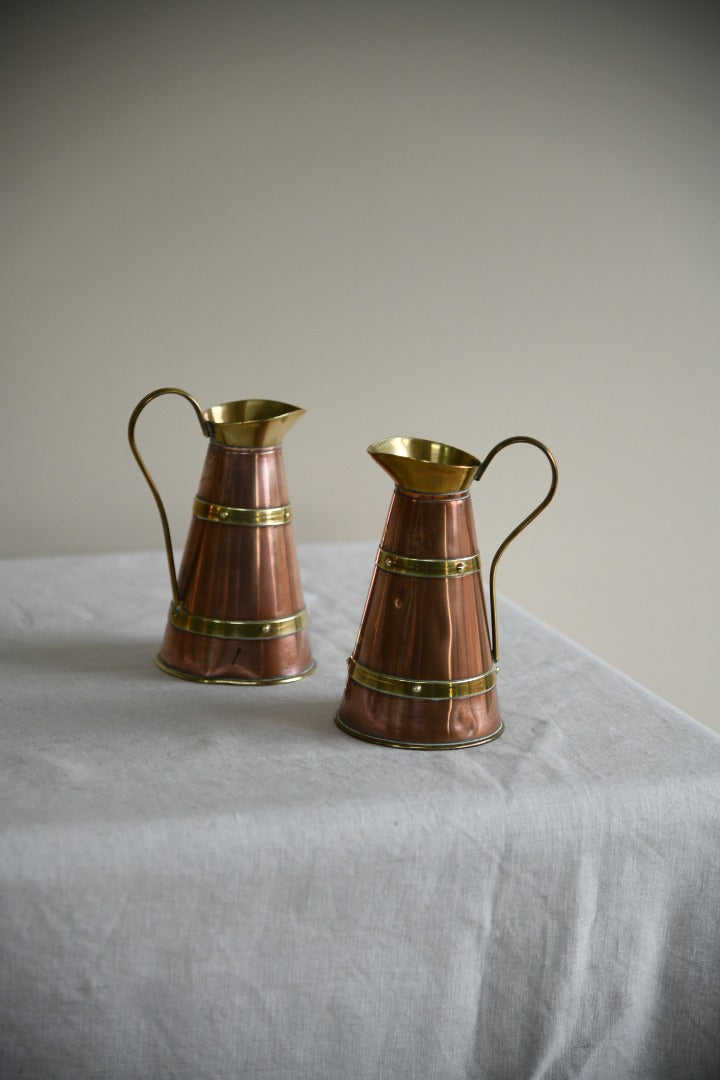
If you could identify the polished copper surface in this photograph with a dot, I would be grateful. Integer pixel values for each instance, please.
(430, 526)
(240, 572)
(230, 573)
(401, 721)
(424, 628)
(211, 658)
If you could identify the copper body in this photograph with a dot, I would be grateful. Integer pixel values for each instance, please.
(424, 628)
(240, 573)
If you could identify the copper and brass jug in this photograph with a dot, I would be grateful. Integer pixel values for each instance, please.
(237, 613)
(423, 672)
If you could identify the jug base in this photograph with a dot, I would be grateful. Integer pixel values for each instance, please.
(417, 745)
(191, 677)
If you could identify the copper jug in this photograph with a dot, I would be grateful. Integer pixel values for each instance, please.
(237, 613)
(423, 672)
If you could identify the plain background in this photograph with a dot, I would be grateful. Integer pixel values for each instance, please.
(455, 221)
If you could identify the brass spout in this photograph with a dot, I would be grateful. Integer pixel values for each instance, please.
(255, 422)
(432, 468)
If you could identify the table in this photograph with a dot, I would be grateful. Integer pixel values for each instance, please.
(213, 881)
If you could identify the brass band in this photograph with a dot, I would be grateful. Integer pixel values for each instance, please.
(248, 629)
(403, 564)
(422, 689)
(239, 515)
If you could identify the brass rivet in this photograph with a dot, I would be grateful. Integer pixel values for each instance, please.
(223, 514)
(286, 515)
(388, 561)
(416, 688)
(460, 567)
(266, 628)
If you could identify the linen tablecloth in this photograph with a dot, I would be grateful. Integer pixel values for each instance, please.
(213, 881)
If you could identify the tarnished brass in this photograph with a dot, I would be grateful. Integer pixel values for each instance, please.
(241, 515)
(401, 564)
(413, 677)
(237, 613)
(514, 439)
(151, 483)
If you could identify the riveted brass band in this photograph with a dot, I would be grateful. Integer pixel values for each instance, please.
(432, 568)
(422, 689)
(247, 629)
(239, 515)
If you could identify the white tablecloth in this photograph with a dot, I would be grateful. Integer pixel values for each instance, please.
(210, 882)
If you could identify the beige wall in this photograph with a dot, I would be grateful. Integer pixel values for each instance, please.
(431, 220)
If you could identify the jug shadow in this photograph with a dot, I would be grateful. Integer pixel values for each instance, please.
(305, 705)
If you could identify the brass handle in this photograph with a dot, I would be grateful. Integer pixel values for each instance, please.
(151, 483)
(525, 522)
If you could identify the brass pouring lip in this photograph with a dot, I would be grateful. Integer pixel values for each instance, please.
(250, 410)
(425, 465)
(428, 451)
(251, 423)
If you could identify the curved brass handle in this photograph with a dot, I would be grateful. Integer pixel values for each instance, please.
(525, 522)
(144, 470)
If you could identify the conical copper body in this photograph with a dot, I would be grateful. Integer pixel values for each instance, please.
(240, 573)
(238, 614)
(422, 675)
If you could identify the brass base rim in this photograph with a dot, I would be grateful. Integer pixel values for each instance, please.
(379, 741)
(223, 681)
